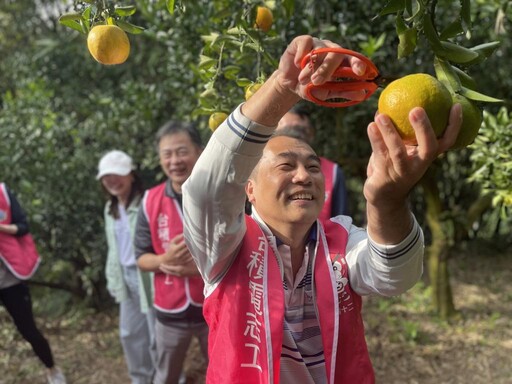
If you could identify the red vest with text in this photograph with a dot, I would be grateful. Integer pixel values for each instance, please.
(245, 314)
(173, 294)
(329, 169)
(18, 253)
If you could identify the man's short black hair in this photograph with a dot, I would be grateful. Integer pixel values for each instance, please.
(303, 111)
(172, 127)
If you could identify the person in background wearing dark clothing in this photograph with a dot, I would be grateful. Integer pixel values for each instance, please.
(298, 122)
(18, 262)
(160, 248)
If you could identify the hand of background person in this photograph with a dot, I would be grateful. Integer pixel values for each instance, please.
(10, 229)
(177, 253)
(182, 270)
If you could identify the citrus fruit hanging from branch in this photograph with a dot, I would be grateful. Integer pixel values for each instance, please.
(104, 24)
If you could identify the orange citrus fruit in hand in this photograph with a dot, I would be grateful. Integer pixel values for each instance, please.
(216, 119)
(108, 44)
(264, 19)
(472, 117)
(417, 90)
(251, 90)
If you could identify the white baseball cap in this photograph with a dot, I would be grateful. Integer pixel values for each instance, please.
(115, 163)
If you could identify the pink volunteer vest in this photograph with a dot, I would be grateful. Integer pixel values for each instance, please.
(329, 170)
(172, 293)
(245, 314)
(18, 253)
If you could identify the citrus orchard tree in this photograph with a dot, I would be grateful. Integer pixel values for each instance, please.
(61, 108)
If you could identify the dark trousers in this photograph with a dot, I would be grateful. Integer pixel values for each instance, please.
(18, 303)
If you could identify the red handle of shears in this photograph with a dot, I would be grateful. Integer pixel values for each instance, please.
(353, 82)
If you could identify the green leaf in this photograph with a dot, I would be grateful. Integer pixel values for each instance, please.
(211, 38)
(456, 53)
(71, 16)
(209, 93)
(400, 25)
(73, 25)
(231, 71)
(129, 28)
(407, 42)
(408, 6)
(243, 82)
(484, 51)
(452, 30)
(236, 31)
(170, 6)
(289, 6)
(477, 96)
(126, 10)
(465, 80)
(87, 18)
(420, 10)
(446, 75)
(465, 13)
(431, 33)
(206, 62)
(392, 6)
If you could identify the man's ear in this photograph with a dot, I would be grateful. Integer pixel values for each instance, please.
(249, 191)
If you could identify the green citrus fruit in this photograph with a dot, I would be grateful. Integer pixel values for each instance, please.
(417, 90)
(472, 117)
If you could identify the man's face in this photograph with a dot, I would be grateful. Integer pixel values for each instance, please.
(287, 186)
(178, 155)
(291, 119)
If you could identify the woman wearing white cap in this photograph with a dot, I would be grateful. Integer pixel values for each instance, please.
(126, 283)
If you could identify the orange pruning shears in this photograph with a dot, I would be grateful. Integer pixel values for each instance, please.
(346, 79)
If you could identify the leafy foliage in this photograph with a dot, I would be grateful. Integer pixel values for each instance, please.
(60, 110)
(492, 166)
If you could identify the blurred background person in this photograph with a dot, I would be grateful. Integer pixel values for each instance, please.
(129, 286)
(160, 247)
(18, 262)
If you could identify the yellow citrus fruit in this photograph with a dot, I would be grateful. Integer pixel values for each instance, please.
(108, 44)
(216, 119)
(251, 90)
(417, 90)
(472, 117)
(264, 19)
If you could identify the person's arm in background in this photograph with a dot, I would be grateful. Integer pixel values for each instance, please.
(19, 224)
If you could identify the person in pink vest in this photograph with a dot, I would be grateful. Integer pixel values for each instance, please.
(18, 262)
(160, 248)
(297, 121)
(284, 289)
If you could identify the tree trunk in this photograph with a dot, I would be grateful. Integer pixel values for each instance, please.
(439, 250)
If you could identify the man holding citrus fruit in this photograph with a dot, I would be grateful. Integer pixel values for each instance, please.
(283, 289)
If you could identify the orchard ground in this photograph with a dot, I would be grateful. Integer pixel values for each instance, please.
(407, 344)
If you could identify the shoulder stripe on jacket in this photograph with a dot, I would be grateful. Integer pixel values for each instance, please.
(245, 133)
